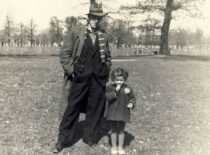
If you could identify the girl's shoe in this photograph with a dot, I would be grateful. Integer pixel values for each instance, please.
(114, 151)
(121, 151)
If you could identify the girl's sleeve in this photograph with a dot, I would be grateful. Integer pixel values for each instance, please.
(132, 98)
(110, 93)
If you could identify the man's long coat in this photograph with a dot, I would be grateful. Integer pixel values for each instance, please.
(70, 53)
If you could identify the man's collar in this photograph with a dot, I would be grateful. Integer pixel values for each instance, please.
(89, 29)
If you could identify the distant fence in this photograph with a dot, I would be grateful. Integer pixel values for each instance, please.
(48, 50)
(133, 51)
(191, 52)
(29, 50)
(10, 50)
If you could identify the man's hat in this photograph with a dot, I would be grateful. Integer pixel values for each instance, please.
(96, 9)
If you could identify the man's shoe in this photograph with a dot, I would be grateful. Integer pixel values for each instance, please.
(58, 147)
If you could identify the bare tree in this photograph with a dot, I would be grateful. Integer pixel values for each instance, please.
(179, 37)
(32, 30)
(44, 37)
(198, 38)
(8, 29)
(165, 7)
(150, 26)
(70, 22)
(56, 30)
(23, 34)
(119, 32)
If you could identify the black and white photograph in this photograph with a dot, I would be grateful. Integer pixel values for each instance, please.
(105, 77)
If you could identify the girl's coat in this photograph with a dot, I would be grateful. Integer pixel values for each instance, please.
(117, 109)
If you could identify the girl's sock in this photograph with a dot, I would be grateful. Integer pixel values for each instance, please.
(114, 140)
(121, 140)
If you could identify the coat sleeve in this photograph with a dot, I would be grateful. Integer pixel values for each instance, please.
(132, 98)
(110, 93)
(71, 41)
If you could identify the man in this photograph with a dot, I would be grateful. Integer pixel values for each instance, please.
(86, 61)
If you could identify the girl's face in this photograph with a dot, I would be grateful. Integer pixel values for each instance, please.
(119, 80)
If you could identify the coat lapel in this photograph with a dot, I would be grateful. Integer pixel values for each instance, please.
(89, 42)
(96, 45)
(77, 53)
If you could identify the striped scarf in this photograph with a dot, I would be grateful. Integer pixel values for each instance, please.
(102, 46)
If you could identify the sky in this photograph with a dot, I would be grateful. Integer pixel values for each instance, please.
(42, 10)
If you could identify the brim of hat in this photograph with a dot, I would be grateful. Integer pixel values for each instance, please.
(98, 14)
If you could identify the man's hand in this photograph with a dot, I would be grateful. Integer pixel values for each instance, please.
(130, 105)
(73, 75)
(108, 65)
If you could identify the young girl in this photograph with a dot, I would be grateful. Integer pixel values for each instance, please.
(120, 99)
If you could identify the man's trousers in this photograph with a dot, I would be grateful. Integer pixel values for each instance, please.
(91, 94)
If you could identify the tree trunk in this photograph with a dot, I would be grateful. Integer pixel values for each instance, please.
(31, 37)
(165, 29)
(21, 35)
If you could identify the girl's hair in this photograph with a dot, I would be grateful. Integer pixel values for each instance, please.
(119, 72)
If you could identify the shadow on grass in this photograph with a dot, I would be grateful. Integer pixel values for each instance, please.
(105, 130)
(128, 138)
(127, 141)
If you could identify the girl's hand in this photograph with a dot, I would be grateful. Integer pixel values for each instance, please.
(127, 90)
(118, 87)
(130, 105)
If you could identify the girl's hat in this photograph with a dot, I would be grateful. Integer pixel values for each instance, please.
(96, 9)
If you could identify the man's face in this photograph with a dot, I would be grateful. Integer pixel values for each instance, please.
(94, 21)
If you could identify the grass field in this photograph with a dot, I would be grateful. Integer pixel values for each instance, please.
(172, 116)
